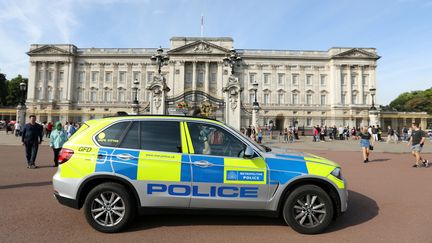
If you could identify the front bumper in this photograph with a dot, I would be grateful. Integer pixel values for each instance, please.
(343, 195)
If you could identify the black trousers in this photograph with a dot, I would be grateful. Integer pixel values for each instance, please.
(31, 151)
(56, 155)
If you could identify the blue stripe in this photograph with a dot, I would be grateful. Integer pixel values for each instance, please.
(128, 168)
(104, 162)
(212, 174)
(287, 165)
(282, 177)
(185, 169)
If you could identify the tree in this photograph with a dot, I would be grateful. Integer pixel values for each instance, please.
(414, 101)
(13, 97)
(3, 89)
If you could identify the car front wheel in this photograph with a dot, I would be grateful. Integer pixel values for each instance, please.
(308, 209)
(109, 207)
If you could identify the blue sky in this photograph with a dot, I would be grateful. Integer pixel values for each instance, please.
(401, 30)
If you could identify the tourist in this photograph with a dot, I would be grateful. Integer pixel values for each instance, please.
(417, 141)
(49, 128)
(31, 138)
(341, 133)
(57, 139)
(391, 135)
(366, 143)
(17, 129)
(379, 132)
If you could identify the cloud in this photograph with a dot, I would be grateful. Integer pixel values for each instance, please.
(158, 11)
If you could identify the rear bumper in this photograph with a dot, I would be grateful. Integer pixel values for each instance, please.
(66, 201)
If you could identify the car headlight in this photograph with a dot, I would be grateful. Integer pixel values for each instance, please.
(337, 173)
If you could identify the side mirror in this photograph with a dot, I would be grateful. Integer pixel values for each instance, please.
(249, 152)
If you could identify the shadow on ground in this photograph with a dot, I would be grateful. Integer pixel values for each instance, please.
(360, 210)
(31, 184)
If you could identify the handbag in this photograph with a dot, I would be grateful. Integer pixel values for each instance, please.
(371, 147)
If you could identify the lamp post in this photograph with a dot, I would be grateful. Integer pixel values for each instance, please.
(373, 112)
(135, 104)
(21, 106)
(160, 59)
(255, 105)
(232, 59)
(373, 92)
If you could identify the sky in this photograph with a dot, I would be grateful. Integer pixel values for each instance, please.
(400, 30)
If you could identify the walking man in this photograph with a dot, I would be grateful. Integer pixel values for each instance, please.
(416, 141)
(31, 138)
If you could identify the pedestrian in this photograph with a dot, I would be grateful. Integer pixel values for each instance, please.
(71, 129)
(391, 135)
(285, 135)
(260, 135)
(341, 133)
(17, 129)
(375, 133)
(416, 141)
(379, 131)
(8, 127)
(49, 129)
(31, 138)
(366, 143)
(57, 139)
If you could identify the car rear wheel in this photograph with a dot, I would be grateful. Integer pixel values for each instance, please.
(308, 209)
(109, 208)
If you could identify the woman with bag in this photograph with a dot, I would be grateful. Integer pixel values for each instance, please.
(366, 143)
(57, 139)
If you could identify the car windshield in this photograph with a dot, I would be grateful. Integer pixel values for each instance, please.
(261, 147)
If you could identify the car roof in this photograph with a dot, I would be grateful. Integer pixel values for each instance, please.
(161, 117)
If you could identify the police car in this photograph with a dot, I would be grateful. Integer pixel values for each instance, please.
(117, 166)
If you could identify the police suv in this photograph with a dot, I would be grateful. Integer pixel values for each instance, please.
(116, 166)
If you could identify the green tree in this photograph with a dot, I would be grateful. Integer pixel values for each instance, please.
(3, 89)
(13, 91)
(414, 101)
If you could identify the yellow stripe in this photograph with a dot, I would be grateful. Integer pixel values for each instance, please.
(183, 138)
(238, 164)
(159, 166)
(324, 170)
(189, 140)
(338, 182)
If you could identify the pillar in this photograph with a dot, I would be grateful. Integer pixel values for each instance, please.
(31, 87)
(44, 80)
(194, 84)
(349, 86)
(206, 77)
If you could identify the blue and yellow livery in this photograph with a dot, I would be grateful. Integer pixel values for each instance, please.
(114, 166)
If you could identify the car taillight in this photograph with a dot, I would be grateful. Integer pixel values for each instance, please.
(65, 155)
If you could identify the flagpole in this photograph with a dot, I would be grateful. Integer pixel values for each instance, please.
(202, 25)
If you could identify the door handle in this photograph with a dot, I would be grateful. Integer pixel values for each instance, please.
(202, 163)
(124, 156)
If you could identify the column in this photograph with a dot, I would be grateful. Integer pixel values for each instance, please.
(143, 82)
(114, 81)
(337, 85)
(181, 79)
(302, 85)
(44, 80)
(194, 84)
(360, 84)
(172, 79)
(87, 80)
(55, 81)
(349, 85)
(129, 82)
(70, 81)
(206, 77)
(101, 81)
(32, 81)
(220, 81)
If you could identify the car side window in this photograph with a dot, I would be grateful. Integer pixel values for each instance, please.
(213, 140)
(131, 139)
(111, 136)
(161, 136)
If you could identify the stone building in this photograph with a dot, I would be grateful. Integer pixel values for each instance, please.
(305, 88)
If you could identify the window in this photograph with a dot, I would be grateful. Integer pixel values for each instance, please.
(131, 139)
(50, 75)
(200, 79)
(212, 140)
(343, 80)
(323, 99)
(295, 99)
(295, 79)
(95, 76)
(136, 75)
(281, 77)
(121, 96)
(365, 80)
(50, 94)
(59, 94)
(161, 136)
(122, 77)
(212, 77)
(107, 96)
(251, 97)
(309, 79)
(266, 99)
(252, 78)
(188, 77)
(308, 122)
(110, 136)
(323, 79)
(354, 99)
(79, 95)
(280, 98)
(353, 80)
(343, 99)
(80, 77)
(93, 96)
(108, 77)
(266, 78)
(308, 99)
(365, 99)
(61, 76)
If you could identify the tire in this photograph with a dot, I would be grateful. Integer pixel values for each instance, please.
(109, 207)
(312, 217)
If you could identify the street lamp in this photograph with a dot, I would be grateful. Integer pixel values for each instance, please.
(135, 95)
(255, 105)
(372, 92)
(232, 59)
(23, 89)
(255, 89)
(160, 59)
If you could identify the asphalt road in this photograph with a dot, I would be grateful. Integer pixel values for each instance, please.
(389, 202)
